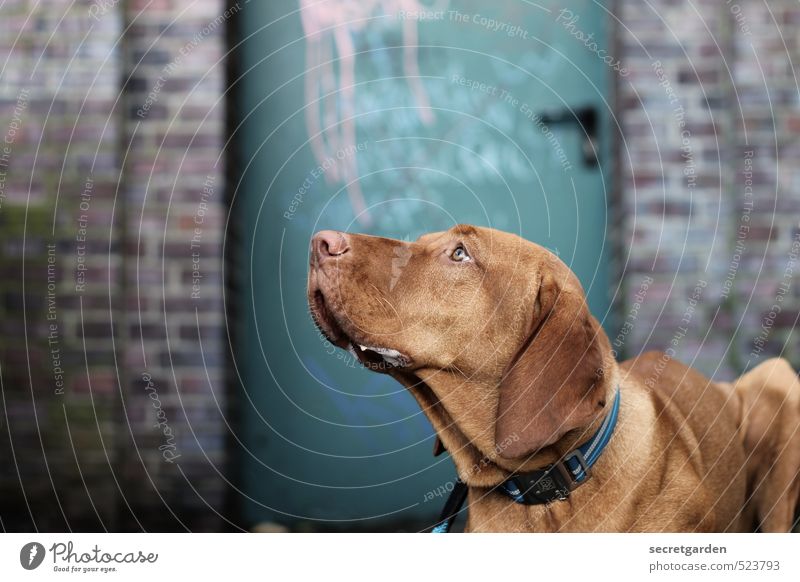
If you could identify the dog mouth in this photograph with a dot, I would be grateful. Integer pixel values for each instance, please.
(376, 358)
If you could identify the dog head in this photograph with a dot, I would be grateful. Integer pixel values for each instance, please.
(490, 332)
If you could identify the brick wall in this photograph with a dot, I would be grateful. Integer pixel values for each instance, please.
(111, 220)
(710, 185)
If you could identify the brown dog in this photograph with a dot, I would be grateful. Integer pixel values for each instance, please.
(493, 337)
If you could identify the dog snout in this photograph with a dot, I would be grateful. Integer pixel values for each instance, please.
(328, 244)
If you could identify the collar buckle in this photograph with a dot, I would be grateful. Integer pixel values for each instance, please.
(568, 472)
(565, 475)
(574, 468)
(553, 483)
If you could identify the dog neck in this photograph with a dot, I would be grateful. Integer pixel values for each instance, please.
(471, 444)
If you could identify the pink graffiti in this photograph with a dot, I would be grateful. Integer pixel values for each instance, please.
(330, 25)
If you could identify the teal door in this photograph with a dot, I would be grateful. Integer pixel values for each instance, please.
(393, 118)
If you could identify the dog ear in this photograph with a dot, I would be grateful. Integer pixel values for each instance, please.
(554, 382)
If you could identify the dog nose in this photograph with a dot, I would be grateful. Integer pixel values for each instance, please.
(327, 244)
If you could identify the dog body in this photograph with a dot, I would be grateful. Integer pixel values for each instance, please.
(653, 477)
(492, 335)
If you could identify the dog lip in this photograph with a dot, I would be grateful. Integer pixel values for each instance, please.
(375, 358)
(325, 320)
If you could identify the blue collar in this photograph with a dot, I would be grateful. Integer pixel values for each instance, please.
(552, 483)
(556, 481)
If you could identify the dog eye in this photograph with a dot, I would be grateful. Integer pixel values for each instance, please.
(460, 254)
